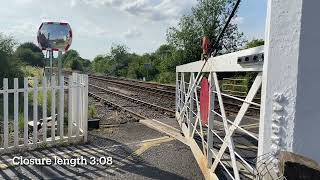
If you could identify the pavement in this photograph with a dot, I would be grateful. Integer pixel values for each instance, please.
(137, 152)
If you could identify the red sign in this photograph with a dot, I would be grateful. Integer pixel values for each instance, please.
(204, 100)
(205, 43)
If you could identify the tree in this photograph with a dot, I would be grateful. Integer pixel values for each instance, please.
(119, 60)
(69, 57)
(30, 54)
(207, 19)
(254, 43)
(31, 46)
(76, 65)
(10, 66)
(72, 59)
(99, 65)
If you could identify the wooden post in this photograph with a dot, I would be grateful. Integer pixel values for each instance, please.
(85, 109)
(44, 108)
(26, 113)
(35, 111)
(16, 113)
(5, 113)
(70, 107)
(61, 107)
(53, 108)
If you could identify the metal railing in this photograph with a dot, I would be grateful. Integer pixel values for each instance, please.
(227, 143)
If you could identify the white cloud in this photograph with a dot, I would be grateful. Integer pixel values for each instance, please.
(23, 2)
(21, 29)
(73, 3)
(133, 33)
(164, 10)
(238, 20)
(96, 24)
(89, 30)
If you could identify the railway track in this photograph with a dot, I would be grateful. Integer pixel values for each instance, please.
(162, 96)
(138, 108)
(146, 95)
(157, 89)
(158, 97)
(164, 87)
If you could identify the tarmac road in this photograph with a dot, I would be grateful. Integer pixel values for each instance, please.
(137, 152)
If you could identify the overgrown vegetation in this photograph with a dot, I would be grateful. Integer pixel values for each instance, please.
(30, 71)
(92, 112)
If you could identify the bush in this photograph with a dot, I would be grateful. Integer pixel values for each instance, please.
(27, 56)
(167, 77)
(30, 71)
(76, 65)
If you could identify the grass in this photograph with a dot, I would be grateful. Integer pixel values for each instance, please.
(31, 71)
(21, 121)
(92, 111)
(241, 85)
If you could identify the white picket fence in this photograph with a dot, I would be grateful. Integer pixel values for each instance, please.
(38, 128)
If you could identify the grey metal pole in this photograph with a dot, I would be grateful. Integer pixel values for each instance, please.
(51, 59)
(59, 66)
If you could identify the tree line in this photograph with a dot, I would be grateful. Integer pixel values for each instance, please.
(184, 41)
(183, 45)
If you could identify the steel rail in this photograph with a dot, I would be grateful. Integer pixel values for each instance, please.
(127, 97)
(134, 99)
(135, 87)
(168, 86)
(150, 89)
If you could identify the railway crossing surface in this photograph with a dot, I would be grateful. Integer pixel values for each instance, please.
(137, 152)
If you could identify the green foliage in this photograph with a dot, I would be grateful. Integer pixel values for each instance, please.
(40, 100)
(115, 63)
(92, 111)
(76, 65)
(30, 54)
(119, 60)
(31, 71)
(207, 19)
(243, 85)
(166, 77)
(98, 65)
(10, 65)
(31, 46)
(21, 121)
(69, 56)
(72, 60)
(254, 43)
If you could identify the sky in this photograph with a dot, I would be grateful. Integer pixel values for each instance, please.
(98, 24)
